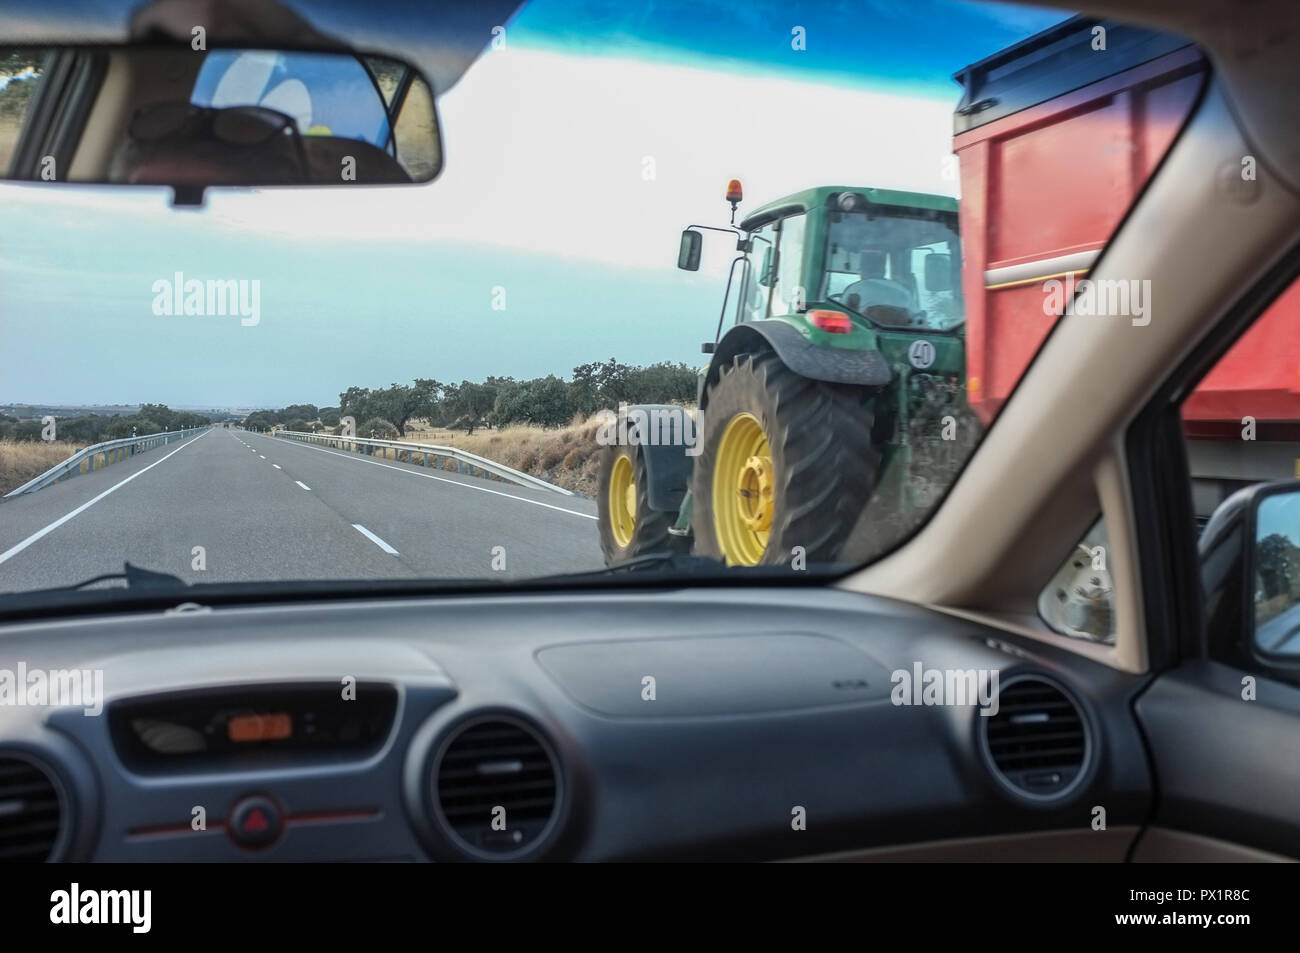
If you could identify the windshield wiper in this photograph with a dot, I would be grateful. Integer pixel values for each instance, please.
(666, 560)
(685, 566)
(137, 577)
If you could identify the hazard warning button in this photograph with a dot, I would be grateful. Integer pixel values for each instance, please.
(255, 821)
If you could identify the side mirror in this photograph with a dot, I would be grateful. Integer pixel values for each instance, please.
(938, 272)
(1273, 567)
(688, 254)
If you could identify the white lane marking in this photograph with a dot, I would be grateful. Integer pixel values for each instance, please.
(430, 476)
(277, 466)
(15, 550)
(374, 539)
(301, 484)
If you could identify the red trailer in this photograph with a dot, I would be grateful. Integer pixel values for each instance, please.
(1054, 137)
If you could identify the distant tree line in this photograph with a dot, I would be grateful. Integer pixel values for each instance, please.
(496, 402)
(1277, 566)
(294, 417)
(96, 428)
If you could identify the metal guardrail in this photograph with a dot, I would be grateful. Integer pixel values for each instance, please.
(113, 451)
(440, 456)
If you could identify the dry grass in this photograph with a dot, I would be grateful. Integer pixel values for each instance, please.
(21, 460)
(565, 456)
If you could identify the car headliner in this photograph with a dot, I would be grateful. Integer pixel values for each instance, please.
(443, 39)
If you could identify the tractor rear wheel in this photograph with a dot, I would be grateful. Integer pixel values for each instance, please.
(628, 526)
(786, 462)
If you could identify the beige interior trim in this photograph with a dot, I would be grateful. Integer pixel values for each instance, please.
(1163, 845)
(1129, 653)
(106, 118)
(1032, 488)
(1068, 846)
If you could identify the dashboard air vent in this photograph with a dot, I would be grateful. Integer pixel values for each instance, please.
(497, 788)
(30, 812)
(1038, 740)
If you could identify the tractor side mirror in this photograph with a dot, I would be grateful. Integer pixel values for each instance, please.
(938, 272)
(688, 254)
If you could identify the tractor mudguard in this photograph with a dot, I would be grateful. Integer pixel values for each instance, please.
(833, 365)
(662, 434)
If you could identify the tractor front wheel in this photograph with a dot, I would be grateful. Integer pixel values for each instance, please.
(786, 468)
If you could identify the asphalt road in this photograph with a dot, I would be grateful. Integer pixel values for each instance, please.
(268, 508)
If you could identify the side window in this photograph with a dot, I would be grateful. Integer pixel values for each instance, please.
(414, 128)
(758, 275)
(788, 293)
(1241, 429)
(1242, 422)
(21, 73)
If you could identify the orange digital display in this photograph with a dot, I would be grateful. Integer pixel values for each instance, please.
(259, 727)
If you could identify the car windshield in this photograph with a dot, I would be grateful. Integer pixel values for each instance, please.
(901, 271)
(557, 353)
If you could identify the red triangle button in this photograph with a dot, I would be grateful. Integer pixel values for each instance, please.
(255, 822)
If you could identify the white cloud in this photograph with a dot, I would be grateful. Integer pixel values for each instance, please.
(545, 153)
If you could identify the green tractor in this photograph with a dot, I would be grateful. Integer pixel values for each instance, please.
(840, 382)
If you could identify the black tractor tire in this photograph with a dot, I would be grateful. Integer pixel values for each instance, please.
(824, 464)
(650, 534)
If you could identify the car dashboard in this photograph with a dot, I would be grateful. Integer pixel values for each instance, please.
(737, 723)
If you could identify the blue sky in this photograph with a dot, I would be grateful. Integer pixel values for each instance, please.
(913, 45)
(545, 195)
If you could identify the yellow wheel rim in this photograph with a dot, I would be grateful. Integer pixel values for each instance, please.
(622, 501)
(743, 491)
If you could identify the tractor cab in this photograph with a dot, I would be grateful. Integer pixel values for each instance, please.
(833, 410)
(840, 260)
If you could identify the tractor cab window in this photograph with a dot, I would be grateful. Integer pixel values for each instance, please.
(788, 292)
(898, 271)
(759, 275)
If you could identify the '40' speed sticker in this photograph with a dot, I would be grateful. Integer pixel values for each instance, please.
(921, 354)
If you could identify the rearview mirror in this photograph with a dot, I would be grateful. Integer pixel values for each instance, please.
(688, 253)
(152, 115)
(1273, 566)
(938, 272)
